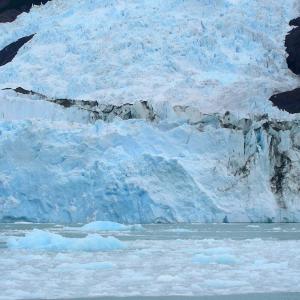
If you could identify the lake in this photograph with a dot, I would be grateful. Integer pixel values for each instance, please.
(214, 261)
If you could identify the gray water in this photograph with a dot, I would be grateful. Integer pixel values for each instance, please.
(162, 241)
(264, 296)
(235, 231)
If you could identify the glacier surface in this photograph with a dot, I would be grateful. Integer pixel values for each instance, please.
(217, 55)
(183, 157)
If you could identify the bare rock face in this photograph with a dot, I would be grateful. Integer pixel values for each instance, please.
(290, 100)
(292, 43)
(10, 9)
(8, 53)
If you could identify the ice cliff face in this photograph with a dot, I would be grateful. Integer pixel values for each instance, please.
(148, 111)
(204, 168)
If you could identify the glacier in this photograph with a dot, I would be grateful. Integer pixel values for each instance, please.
(198, 168)
(149, 112)
(210, 54)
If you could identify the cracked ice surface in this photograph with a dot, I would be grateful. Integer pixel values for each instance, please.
(217, 55)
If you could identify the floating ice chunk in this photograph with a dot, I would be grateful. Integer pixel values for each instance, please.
(203, 259)
(22, 223)
(253, 226)
(219, 255)
(223, 284)
(180, 230)
(226, 259)
(87, 266)
(217, 250)
(110, 226)
(104, 226)
(166, 278)
(44, 240)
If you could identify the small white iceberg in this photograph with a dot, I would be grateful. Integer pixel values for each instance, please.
(253, 226)
(92, 266)
(110, 226)
(218, 255)
(222, 259)
(44, 240)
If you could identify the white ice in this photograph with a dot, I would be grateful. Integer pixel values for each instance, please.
(44, 240)
(109, 226)
(153, 267)
(217, 55)
(138, 172)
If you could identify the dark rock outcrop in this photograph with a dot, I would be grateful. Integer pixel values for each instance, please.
(295, 22)
(8, 53)
(288, 101)
(10, 9)
(292, 43)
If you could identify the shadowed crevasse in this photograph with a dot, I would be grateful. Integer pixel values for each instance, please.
(10, 9)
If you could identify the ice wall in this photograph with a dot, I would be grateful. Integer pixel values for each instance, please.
(155, 142)
(204, 168)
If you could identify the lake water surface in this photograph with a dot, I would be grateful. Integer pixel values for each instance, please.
(184, 260)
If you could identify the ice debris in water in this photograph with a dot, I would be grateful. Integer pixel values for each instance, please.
(44, 240)
(219, 255)
(110, 226)
(94, 266)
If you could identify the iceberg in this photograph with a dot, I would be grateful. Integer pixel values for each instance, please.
(109, 226)
(217, 255)
(41, 240)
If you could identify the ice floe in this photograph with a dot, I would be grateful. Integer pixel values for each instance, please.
(44, 240)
